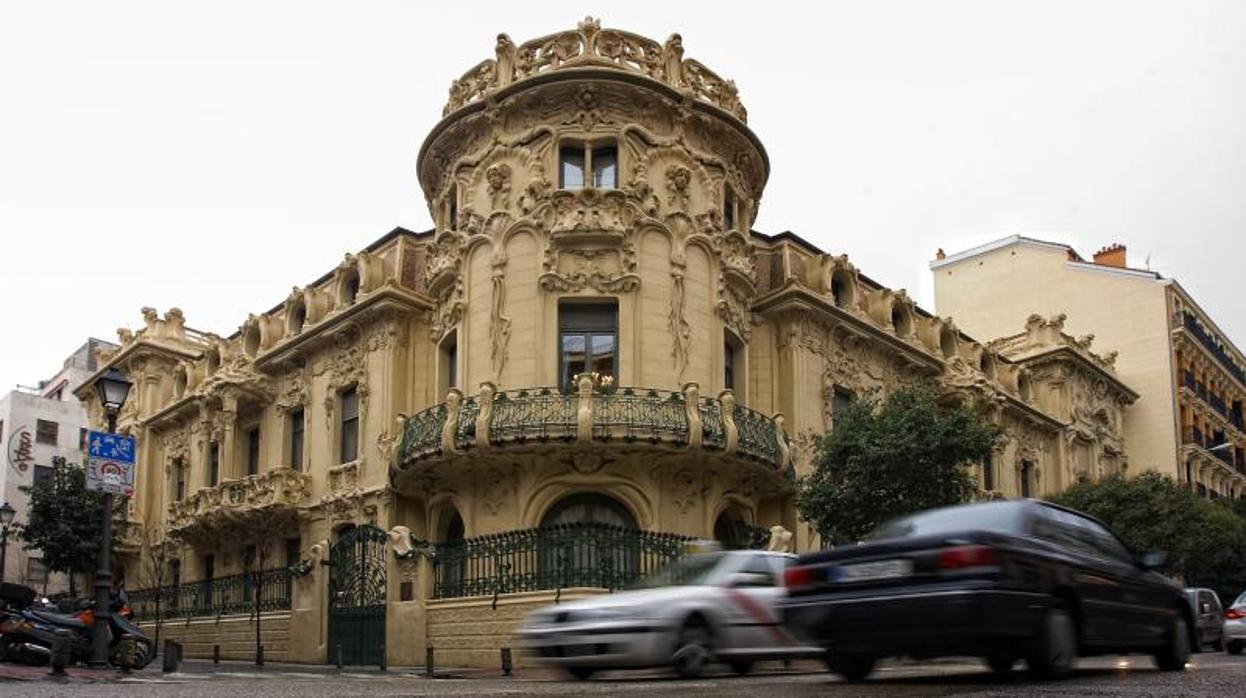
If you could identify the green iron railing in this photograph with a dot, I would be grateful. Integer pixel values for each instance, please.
(758, 434)
(551, 558)
(614, 415)
(221, 596)
(640, 414)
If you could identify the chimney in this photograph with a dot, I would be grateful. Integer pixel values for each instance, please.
(939, 254)
(1111, 256)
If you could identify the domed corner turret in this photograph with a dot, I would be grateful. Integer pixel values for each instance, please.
(592, 108)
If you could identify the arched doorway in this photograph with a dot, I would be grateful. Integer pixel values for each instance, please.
(588, 540)
(357, 581)
(734, 532)
(450, 565)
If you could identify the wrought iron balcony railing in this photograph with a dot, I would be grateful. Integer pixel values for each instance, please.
(1191, 324)
(551, 558)
(591, 415)
(222, 596)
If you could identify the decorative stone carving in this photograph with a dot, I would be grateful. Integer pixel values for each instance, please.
(238, 503)
(499, 323)
(677, 179)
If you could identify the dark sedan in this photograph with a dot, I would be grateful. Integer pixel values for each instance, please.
(1003, 581)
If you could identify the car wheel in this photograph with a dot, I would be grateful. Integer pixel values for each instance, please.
(694, 649)
(582, 673)
(1235, 646)
(1176, 650)
(742, 667)
(1000, 664)
(853, 667)
(1055, 649)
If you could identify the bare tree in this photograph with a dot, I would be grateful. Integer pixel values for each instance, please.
(156, 552)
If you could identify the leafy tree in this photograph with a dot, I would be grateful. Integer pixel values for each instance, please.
(1205, 542)
(64, 520)
(887, 458)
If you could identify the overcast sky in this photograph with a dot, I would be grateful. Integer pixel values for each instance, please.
(212, 158)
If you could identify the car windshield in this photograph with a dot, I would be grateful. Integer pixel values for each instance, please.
(1005, 517)
(686, 571)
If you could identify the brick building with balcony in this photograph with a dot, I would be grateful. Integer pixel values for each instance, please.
(590, 359)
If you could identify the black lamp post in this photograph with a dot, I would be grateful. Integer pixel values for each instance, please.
(112, 388)
(6, 517)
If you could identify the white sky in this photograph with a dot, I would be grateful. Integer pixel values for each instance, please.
(212, 156)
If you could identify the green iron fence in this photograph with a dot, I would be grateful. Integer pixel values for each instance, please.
(221, 596)
(549, 558)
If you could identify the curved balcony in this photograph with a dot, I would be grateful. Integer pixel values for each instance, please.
(590, 416)
(263, 499)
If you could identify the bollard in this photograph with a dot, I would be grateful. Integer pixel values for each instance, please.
(428, 661)
(506, 661)
(172, 655)
(383, 657)
(339, 656)
(259, 655)
(60, 652)
(216, 654)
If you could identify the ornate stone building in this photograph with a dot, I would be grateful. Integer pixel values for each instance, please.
(591, 357)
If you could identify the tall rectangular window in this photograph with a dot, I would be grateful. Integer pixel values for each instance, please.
(728, 208)
(179, 479)
(588, 337)
(296, 438)
(988, 473)
(841, 400)
(46, 432)
(728, 365)
(449, 357)
(42, 476)
(294, 548)
(452, 209)
(571, 167)
(1027, 474)
(253, 451)
(214, 464)
(82, 439)
(349, 428)
(605, 167)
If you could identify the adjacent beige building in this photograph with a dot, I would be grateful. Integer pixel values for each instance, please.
(591, 358)
(1188, 422)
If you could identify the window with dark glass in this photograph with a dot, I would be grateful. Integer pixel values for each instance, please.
(449, 362)
(588, 337)
(349, 447)
(296, 438)
(988, 474)
(209, 572)
(728, 208)
(82, 439)
(46, 432)
(728, 365)
(605, 167)
(452, 209)
(253, 451)
(179, 479)
(214, 463)
(841, 399)
(42, 476)
(1027, 473)
(174, 581)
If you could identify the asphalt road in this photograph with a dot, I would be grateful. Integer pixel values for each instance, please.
(1211, 674)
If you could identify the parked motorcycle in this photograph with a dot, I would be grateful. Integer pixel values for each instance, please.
(27, 633)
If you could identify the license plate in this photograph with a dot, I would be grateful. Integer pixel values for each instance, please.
(870, 571)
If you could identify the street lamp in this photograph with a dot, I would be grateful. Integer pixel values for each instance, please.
(112, 388)
(6, 517)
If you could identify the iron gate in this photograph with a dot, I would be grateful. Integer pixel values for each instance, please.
(357, 596)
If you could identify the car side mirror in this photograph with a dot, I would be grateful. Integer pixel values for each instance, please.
(1153, 560)
(749, 579)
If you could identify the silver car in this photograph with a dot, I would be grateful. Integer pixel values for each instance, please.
(707, 607)
(1235, 625)
(1208, 619)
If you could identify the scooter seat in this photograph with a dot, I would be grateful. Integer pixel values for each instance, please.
(62, 619)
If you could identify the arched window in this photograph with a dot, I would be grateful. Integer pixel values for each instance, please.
(947, 342)
(733, 532)
(588, 540)
(901, 320)
(842, 289)
(348, 288)
(589, 507)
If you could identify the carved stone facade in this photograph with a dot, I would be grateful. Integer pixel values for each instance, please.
(590, 168)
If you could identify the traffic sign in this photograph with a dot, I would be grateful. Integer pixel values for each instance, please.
(110, 463)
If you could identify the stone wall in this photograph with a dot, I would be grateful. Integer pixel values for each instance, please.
(235, 635)
(471, 632)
